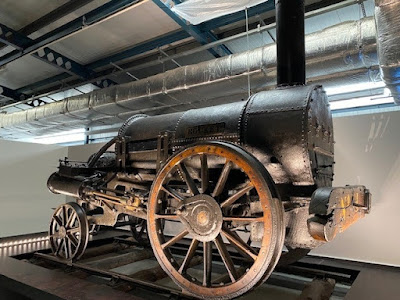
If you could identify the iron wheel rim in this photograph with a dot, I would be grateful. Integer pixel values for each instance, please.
(271, 245)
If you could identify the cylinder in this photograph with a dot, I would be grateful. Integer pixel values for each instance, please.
(58, 184)
(291, 64)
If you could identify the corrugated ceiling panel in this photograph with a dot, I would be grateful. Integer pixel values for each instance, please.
(141, 23)
(24, 71)
(17, 14)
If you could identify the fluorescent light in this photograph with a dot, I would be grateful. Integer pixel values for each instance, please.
(75, 135)
(351, 88)
(360, 102)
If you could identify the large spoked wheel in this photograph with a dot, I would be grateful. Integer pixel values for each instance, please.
(69, 231)
(229, 227)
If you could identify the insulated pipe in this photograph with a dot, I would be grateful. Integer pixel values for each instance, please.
(387, 16)
(291, 57)
(330, 54)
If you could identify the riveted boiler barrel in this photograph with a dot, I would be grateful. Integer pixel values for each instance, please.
(289, 130)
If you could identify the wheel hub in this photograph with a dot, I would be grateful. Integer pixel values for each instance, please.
(62, 232)
(202, 216)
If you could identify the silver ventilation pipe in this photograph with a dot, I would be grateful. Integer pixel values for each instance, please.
(387, 15)
(347, 48)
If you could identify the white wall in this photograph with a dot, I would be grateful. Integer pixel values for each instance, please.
(367, 152)
(83, 152)
(25, 202)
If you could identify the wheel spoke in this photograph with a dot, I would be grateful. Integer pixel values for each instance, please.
(58, 220)
(71, 220)
(66, 248)
(238, 243)
(59, 247)
(204, 173)
(243, 219)
(68, 242)
(189, 255)
(236, 196)
(175, 239)
(55, 235)
(188, 179)
(73, 239)
(73, 230)
(207, 264)
(222, 179)
(226, 258)
(172, 192)
(65, 215)
(167, 217)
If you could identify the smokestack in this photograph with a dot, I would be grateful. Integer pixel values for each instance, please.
(291, 61)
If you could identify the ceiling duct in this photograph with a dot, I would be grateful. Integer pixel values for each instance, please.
(331, 55)
(387, 15)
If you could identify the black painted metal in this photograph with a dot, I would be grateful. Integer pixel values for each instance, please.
(291, 65)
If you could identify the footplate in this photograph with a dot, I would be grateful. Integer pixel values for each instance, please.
(335, 209)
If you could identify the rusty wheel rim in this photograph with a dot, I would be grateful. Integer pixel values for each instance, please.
(69, 231)
(258, 185)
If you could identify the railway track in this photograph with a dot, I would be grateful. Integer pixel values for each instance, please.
(125, 266)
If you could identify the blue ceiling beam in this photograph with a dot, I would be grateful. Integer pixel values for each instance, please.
(12, 94)
(20, 41)
(77, 24)
(12, 38)
(42, 83)
(238, 16)
(28, 89)
(203, 37)
(60, 61)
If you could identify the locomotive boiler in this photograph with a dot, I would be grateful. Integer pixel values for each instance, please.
(242, 185)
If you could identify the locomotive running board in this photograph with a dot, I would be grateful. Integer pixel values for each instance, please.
(335, 209)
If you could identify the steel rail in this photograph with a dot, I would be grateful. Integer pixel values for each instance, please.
(110, 274)
(300, 273)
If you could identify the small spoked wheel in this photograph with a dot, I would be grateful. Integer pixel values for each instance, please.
(69, 231)
(228, 224)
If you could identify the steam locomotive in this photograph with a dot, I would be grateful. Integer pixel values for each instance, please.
(242, 185)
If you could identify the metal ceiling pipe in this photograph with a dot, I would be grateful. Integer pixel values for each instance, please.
(387, 16)
(329, 53)
(291, 53)
(53, 125)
